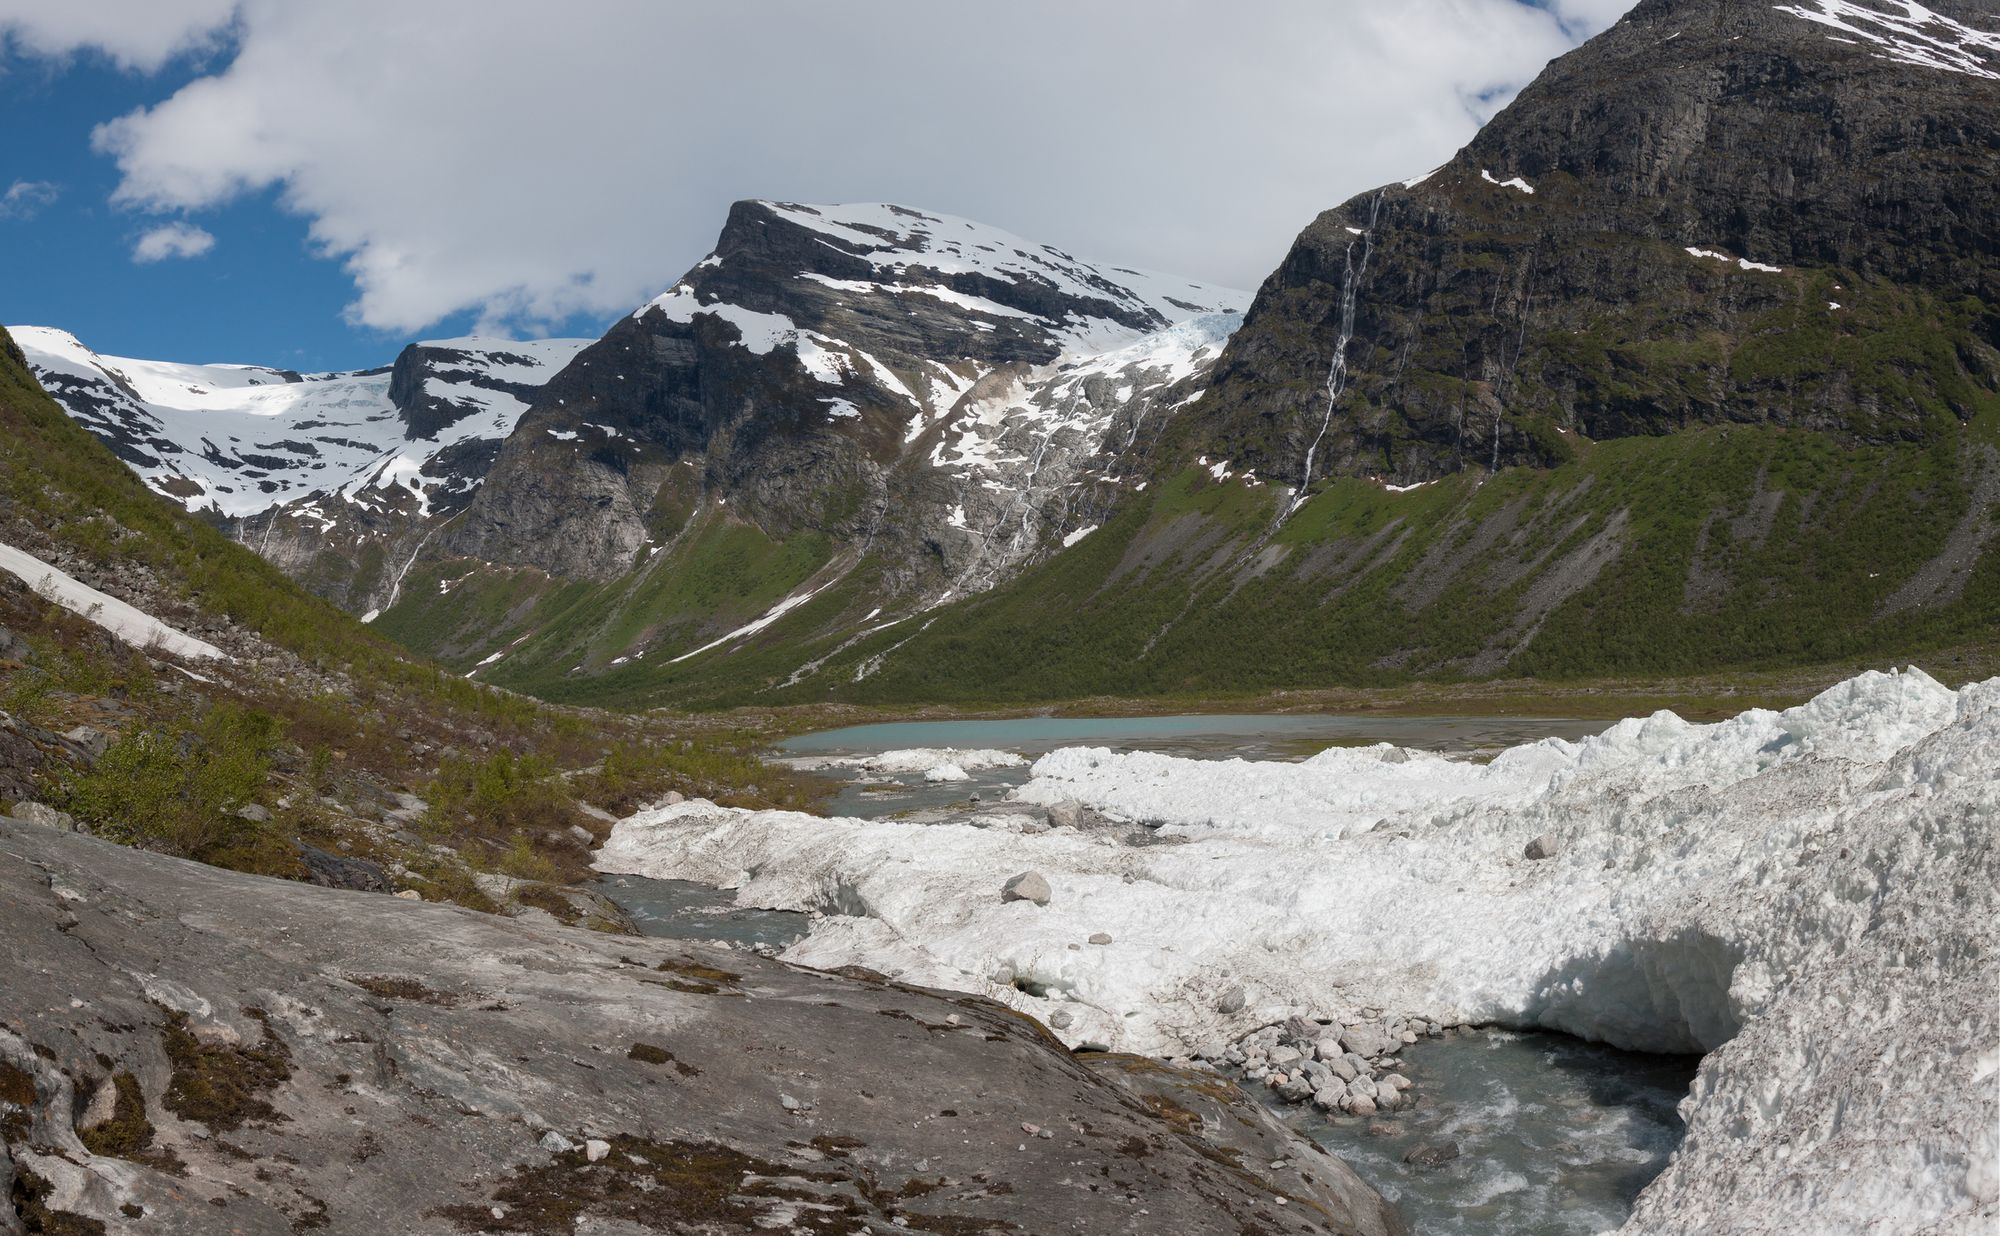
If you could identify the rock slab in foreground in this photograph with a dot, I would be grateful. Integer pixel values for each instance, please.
(189, 1049)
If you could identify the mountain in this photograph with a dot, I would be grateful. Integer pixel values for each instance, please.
(912, 406)
(307, 467)
(1716, 212)
(1690, 360)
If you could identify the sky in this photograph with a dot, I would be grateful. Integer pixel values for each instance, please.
(313, 183)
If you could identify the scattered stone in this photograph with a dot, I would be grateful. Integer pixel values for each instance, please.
(1395, 1080)
(45, 815)
(1062, 1019)
(1360, 1107)
(1066, 814)
(1295, 1089)
(255, 813)
(1342, 1068)
(789, 1103)
(1232, 1001)
(410, 894)
(581, 835)
(93, 743)
(1282, 1057)
(1365, 1039)
(1099, 937)
(556, 1143)
(1028, 886)
(1432, 1154)
(1544, 846)
(596, 1151)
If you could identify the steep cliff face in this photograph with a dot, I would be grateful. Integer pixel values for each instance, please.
(1716, 212)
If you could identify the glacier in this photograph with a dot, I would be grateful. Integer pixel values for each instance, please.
(1808, 898)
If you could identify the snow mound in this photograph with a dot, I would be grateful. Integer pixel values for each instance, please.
(134, 626)
(925, 760)
(1810, 897)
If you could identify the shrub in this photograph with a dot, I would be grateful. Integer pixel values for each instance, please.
(176, 787)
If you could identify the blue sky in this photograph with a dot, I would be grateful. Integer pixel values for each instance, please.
(372, 171)
(262, 295)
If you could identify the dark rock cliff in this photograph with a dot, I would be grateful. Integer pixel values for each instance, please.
(1834, 182)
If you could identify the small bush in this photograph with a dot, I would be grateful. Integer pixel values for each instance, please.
(177, 787)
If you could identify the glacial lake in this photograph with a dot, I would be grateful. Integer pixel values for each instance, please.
(1208, 736)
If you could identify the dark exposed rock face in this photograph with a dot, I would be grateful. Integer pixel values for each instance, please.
(855, 371)
(1484, 322)
(429, 383)
(188, 1049)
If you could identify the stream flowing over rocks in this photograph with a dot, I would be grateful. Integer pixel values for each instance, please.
(1808, 897)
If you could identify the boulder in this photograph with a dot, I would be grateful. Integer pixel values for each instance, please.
(1431, 1154)
(45, 815)
(1231, 1001)
(1544, 846)
(1066, 814)
(1028, 886)
(1366, 1039)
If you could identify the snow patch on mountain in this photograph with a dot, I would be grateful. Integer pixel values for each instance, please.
(133, 625)
(1810, 897)
(1908, 33)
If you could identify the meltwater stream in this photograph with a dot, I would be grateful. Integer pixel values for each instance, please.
(1523, 1134)
(1526, 1134)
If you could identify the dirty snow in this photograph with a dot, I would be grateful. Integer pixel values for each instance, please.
(1810, 897)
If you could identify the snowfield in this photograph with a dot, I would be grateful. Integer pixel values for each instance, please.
(134, 626)
(1809, 897)
(241, 439)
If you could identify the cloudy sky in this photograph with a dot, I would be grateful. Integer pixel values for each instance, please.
(312, 182)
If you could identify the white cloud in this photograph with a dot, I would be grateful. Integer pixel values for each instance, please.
(24, 199)
(530, 160)
(172, 240)
(137, 34)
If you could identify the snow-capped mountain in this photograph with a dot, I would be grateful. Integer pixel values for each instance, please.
(298, 464)
(943, 399)
(241, 439)
(868, 370)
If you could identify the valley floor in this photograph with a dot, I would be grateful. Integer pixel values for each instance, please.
(1809, 897)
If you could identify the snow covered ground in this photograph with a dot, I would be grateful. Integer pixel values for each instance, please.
(134, 626)
(1810, 897)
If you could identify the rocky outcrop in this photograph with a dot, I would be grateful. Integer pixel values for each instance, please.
(1716, 212)
(188, 1049)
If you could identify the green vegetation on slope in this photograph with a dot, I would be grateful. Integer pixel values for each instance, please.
(319, 749)
(1730, 547)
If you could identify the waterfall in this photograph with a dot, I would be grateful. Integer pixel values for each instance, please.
(1336, 373)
